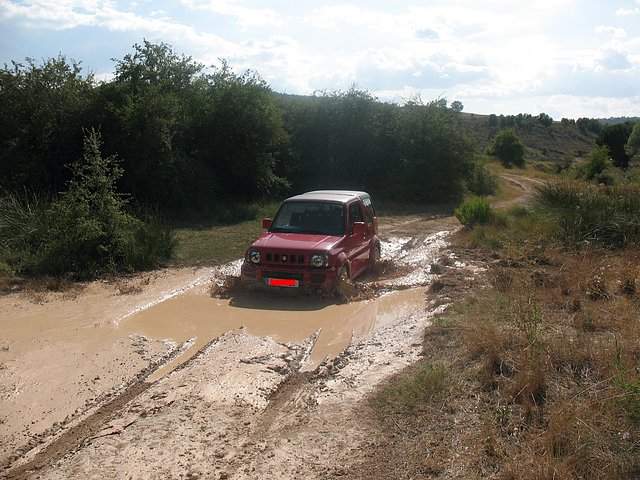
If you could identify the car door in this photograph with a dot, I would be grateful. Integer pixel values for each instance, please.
(357, 245)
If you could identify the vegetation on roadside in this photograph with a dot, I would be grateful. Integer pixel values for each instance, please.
(475, 211)
(540, 372)
(209, 146)
(86, 232)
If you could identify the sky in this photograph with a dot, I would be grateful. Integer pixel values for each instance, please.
(566, 58)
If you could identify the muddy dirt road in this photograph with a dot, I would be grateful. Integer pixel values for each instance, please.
(153, 377)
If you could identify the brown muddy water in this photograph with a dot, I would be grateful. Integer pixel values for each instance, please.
(198, 318)
(60, 359)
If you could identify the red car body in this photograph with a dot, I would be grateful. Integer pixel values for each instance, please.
(316, 240)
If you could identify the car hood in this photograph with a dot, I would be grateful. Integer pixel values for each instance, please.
(296, 241)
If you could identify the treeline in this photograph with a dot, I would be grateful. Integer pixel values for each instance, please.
(187, 139)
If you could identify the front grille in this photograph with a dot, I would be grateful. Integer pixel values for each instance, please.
(283, 275)
(285, 258)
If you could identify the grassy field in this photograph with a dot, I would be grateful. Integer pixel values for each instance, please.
(534, 371)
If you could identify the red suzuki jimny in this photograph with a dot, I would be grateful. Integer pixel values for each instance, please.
(315, 241)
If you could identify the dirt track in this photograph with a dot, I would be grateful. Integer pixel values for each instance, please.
(153, 378)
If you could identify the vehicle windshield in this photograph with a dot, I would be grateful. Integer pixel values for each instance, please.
(315, 218)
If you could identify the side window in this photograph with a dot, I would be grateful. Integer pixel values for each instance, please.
(369, 210)
(355, 213)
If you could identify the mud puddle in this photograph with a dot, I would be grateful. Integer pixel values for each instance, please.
(198, 318)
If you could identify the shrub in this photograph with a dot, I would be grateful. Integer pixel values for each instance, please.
(23, 226)
(86, 232)
(476, 211)
(606, 215)
(481, 182)
(508, 148)
(598, 160)
(152, 242)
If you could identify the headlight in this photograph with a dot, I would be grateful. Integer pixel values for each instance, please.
(319, 260)
(254, 256)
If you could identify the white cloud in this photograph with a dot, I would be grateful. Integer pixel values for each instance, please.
(507, 53)
(629, 11)
(616, 32)
(246, 16)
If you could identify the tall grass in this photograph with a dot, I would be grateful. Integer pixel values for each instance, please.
(31, 244)
(584, 213)
(23, 225)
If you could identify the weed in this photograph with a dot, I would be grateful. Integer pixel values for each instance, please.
(476, 211)
(416, 387)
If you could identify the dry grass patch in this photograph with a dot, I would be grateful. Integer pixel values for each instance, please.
(544, 374)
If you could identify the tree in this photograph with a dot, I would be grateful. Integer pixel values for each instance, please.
(632, 147)
(615, 138)
(434, 156)
(90, 230)
(545, 120)
(456, 106)
(508, 148)
(43, 108)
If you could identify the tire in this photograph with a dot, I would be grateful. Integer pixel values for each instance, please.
(341, 287)
(377, 255)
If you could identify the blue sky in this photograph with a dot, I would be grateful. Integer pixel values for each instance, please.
(567, 58)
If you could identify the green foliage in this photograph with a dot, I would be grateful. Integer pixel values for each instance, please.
(615, 138)
(632, 147)
(89, 227)
(596, 162)
(545, 120)
(508, 148)
(476, 211)
(42, 111)
(589, 125)
(412, 390)
(435, 156)
(480, 181)
(585, 213)
(457, 106)
(24, 224)
(152, 243)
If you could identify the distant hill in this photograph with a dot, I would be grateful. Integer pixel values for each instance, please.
(557, 141)
(616, 120)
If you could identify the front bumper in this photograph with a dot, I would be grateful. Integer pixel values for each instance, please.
(316, 280)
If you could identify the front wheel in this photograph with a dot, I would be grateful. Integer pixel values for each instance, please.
(343, 287)
(377, 255)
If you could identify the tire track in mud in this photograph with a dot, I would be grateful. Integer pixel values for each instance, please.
(51, 451)
(93, 426)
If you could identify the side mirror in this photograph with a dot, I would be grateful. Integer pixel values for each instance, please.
(359, 229)
(266, 222)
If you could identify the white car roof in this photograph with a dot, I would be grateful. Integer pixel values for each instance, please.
(341, 196)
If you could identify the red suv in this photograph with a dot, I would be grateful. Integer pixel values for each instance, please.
(315, 241)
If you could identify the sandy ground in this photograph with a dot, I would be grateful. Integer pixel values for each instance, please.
(151, 377)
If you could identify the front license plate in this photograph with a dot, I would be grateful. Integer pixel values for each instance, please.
(282, 282)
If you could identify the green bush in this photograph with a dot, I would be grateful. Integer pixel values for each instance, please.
(598, 160)
(86, 232)
(481, 182)
(508, 148)
(24, 224)
(151, 244)
(476, 211)
(587, 213)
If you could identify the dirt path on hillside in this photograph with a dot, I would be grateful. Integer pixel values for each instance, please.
(151, 377)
